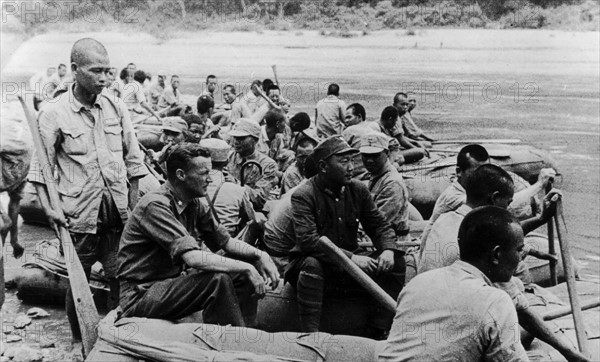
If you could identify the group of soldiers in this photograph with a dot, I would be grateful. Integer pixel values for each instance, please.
(243, 194)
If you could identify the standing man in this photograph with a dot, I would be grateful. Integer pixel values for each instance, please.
(245, 162)
(165, 269)
(386, 184)
(330, 113)
(332, 204)
(92, 147)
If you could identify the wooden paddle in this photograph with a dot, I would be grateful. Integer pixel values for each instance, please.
(571, 285)
(358, 274)
(551, 249)
(87, 314)
(566, 310)
(274, 67)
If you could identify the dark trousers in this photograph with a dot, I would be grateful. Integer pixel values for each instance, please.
(103, 247)
(224, 298)
(315, 281)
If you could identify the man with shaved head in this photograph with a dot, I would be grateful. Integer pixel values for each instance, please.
(92, 149)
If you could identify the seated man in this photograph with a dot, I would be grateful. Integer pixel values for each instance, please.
(331, 204)
(245, 162)
(167, 233)
(389, 124)
(412, 132)
(275, 135)
(468, 159)
(386, 184)
(454, 313)
(233, 109)
(293, 175)
(491, 185)
(356, 128)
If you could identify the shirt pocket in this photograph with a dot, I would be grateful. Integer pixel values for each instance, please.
(74, 141)
(114, 137)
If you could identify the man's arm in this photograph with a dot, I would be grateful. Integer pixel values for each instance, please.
(393, 203)
(524, 196)
(501, 332)
(259, 194)
(535, 325)
(261, 260)
(549, 210)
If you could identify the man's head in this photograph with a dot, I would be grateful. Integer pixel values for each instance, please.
(131, 67)
(333, 157)
(389, 117)
(50, 71)
(374, 149)
(139, 76)
(274, 93)
(205, 106)
(62, 70)
(266, 84)
(125, 75)
(174, 129)
(211, 83)
(255, 87)
(355, 114)
(333, 90)
(111, 75)
(299, 122)
(412, 101)
(274, 123)
(491, 239)
(175, 81)
(401, 103)
(196, 128)
(245, 134)
(219, 150)
(188, 169)
(469, 158)
(305, 147)
(89, 65)
(489, 185)
(229, 93)
(161, 79)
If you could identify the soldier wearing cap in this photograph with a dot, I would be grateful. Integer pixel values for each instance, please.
(385, 184)
(225, 198)
(254, 170)
(331, 204)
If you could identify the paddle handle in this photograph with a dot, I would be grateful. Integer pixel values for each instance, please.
(445, 142)
(87, 314)
(571, 286)
(551, 248)
(274, 67)
(358, 274)
(566, 310)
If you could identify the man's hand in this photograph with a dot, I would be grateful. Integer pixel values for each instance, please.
(257, 281)
(367, 264)
(549, 204)
(268, 270)
(385, 262)
(546, 174)
(56, 219)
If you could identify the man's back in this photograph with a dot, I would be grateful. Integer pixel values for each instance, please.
(330, 116)
(453, 314)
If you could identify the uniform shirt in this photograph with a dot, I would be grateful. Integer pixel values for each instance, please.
(279, 234)
(258, 187)
(291, 178)
(319, 211)
(161, 229)
(133, 95)
(395, 131)
(391, 197)
(330, 116)
(453, 314)
(91, 155)
(229, 204)
(441, 249)
(451, 199)
(170, 96)
(274, 147)
(410, 127)
(154, 93)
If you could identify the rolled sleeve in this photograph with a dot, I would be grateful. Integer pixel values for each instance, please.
(392, 203)
(133, 156)
(213, 234)
(514, 288)
(158, 222)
